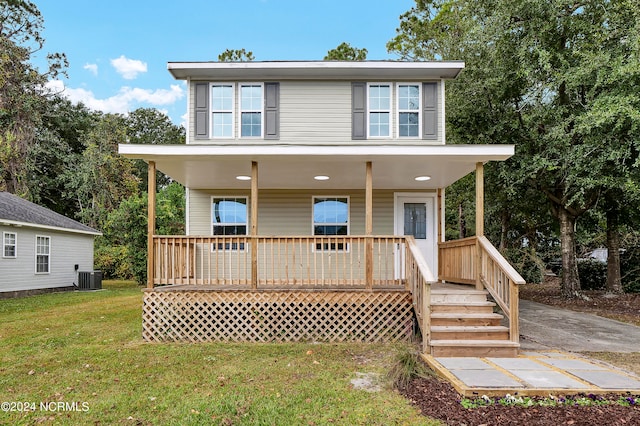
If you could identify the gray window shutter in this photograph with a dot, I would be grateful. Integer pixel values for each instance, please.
(430, 111)
(202, 111)
(358, 110)
(272, 110)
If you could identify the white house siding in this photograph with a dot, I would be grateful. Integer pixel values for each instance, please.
(315, 113)
(66, 250)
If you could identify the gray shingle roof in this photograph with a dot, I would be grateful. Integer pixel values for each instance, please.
(14, 208)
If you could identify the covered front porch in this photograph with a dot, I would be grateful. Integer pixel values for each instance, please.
(367, 287)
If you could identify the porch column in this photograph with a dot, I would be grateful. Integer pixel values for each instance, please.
(254, 225)
(151, 220)
(368, 226)
(479, 220)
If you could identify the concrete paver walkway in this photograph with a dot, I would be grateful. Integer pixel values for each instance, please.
(546, 366)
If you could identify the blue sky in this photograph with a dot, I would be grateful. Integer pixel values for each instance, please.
(118, 50)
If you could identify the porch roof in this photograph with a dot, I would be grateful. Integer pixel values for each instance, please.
(295, 166)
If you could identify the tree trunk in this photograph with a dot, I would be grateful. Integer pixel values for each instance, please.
(462, 222)
(504, 228)
(614, 276)
(570, 286)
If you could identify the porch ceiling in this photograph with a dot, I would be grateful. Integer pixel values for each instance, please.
(294, 167)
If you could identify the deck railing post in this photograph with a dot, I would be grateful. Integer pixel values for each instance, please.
(254, 225)
(426, 315)
(151, 221)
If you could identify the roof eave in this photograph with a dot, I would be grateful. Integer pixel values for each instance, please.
(314, 70)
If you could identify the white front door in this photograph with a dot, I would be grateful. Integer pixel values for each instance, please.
(415, 214)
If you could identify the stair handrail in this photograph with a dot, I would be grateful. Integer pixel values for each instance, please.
(419, 279)
(492, 275)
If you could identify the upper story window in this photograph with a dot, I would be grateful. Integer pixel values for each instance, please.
(10, 244)
(228, 110)
(222, 101)
(251, 105)
(379, 110)
(409, 110)
(43, 254)
(402, 110)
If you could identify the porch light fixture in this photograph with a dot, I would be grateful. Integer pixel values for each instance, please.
(321, 177)
(422, 178)
(243, 177)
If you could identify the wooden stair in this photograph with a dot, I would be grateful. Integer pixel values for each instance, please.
(463, 324)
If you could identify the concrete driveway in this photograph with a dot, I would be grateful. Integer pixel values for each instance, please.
(547, 327)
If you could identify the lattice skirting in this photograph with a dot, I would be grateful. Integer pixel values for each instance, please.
(245, 316)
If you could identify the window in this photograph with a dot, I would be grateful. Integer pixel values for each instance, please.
(9, 244)
(408, 110)
(250, 110)
(379, 109)
(223, 115)
(229, 217)
(330, 217)
(43, 258)
(395, 110)
(222, 110)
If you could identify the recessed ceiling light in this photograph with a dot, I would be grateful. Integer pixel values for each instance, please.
(243, 177)
(422, 178)
(321, 177)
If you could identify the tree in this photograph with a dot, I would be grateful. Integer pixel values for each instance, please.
(150, 126)
(236, 55)
(99, 179)
(22, 90)
(532, 79)
(345, 52)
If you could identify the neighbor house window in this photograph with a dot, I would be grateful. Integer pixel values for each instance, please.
(43, 254)
(379, 98)
(228, 218)
(222, 110)
(9, 244)
(251, 105)
(408, 110)
(330, 218)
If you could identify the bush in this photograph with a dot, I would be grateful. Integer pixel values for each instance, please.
(114, 262)
(593, 274)
(527, 263)
(407, 366)
(630, 266)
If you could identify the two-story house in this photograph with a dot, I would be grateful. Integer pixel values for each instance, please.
(315, 200)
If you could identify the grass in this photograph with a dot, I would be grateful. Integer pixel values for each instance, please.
(85, 348)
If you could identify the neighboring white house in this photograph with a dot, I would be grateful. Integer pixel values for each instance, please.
(41, 249)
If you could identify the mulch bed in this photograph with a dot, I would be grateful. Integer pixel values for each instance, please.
(438, 399)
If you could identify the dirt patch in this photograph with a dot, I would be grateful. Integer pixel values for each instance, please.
(620, 307)
(438, 399)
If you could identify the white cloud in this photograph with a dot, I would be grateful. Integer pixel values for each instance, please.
(128, 68)
(127, 99)
(93, 68)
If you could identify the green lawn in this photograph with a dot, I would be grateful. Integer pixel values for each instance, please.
(85, 348)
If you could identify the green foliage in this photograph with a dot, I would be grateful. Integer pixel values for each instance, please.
(593, 274)
(346, 52)
(406, 366)
(236, 55)
(125, 230)
(114, 262)
(527, 262)
(630, 265)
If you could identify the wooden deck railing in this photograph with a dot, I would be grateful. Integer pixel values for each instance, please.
(475, 260)
(277, 262)
(419, 279)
